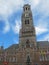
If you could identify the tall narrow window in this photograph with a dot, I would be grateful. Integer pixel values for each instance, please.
(28, 60)
(26, 8)
(13, 59)
(41, 57)
(27, 21)
(27, 43)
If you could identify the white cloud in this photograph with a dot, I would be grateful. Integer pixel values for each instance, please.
(41, 27)
(6, 28)
(34, 3)
(44, 6)
(8, 6)
(16, 28)
(40, 30)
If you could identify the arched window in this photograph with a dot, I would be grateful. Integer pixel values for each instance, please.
(26, 8)
(10, 59)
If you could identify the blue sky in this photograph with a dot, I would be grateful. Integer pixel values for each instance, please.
(10, 20)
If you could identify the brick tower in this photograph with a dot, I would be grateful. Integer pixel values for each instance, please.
(27, 32)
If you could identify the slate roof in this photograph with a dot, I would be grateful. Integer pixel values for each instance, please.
(12, 47)
(42, 44)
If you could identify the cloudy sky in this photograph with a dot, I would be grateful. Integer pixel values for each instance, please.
(10, 20)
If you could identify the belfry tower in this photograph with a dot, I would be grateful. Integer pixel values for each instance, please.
(27, 32)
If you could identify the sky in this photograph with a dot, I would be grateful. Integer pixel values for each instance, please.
(10, 20)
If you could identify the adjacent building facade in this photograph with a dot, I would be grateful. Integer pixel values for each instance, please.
(28, 51)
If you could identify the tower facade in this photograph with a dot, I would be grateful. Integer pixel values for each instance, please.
(27, 32)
